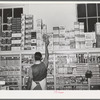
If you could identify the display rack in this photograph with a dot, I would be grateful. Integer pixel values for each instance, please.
(64, 79)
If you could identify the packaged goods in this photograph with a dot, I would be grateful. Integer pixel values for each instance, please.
(81, 26)
(62, 30)
(76, 26)
(88, 44)
(98, 40)
(55, 30)
(90, 36)
(16, 34)
(39, 36)
(97, 28)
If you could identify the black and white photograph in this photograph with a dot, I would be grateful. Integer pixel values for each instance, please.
(50, 46)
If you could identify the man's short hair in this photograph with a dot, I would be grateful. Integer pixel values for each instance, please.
(38, 56)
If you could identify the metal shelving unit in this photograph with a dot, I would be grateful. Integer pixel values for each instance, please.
(53, 53)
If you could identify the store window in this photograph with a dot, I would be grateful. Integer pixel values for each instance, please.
(89, 14)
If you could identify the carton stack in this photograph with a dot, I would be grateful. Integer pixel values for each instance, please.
(79, 35)
(3, 42)
(22, 31)
(6, 37)
(28, 30)
(0, 31)
(72, 39)
(62, 38)
(67, 40)
(39, 34)
(16, 25)
(9, 21)
(9, 33)
(16, 33)
(90, 39)
(16, 41)
(56, 38)
(33, 41)
(97, 30)
(81, 27)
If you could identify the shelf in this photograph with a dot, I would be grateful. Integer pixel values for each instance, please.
(26, 64)
(50, 77)
(8, 75)
(58, 75)
(50, 84)
(72, 51)
(13, 85)
(93, 63)
(24, 85)
(73, 84)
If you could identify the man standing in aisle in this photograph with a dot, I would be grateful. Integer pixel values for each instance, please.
(38, 71)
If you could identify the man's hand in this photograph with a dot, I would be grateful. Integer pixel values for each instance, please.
(46, 39)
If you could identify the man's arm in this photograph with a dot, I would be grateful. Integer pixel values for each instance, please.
(46, 51)
(29, 83)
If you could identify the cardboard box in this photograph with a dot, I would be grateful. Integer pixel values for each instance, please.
(15, 48)
(16, 34)
(88, 44)
(90, 36)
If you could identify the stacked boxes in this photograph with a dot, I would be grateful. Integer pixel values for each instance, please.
(27, 42)
(33, 41)
(81, 27)
(22, 30)
(6, 38)
(9, 26)
(77, 28)
(6, 41)
(67, 40)
(0, 30)
(39, 34)
(62, 37)
(79, 35)
(0, 26)
(16, 25)
(56, 38)
(72, 39)
(97, 30)
(16, 41)
(98, 41)
(28, 30)
(90, 39)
